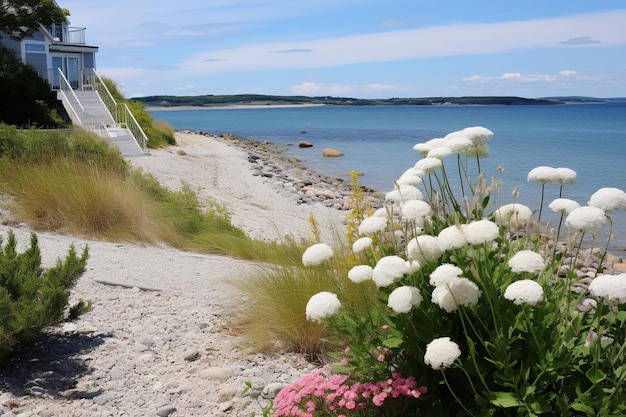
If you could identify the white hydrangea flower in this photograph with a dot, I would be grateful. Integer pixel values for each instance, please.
(403, 299)
(587, 219)
(322, 305)
(428, 165)
(388, 269)
(441, 353)
(513, 215)
(564, 176)
(412, 266)
(452, 237)
(372, 225)
(361, 244)
(416, 210)
(316, 254)
(610, 287)
(444, 274)
(439, 152)
(608, 199)
(543, 175)
(563, 205)
(403, 193)
(527, 261)
(360, 273)
(458, 143)
(524, 291)
(477, 134)
(411, 176)
(382, 212)
(423, 248)
(425, 147)
(480, 150)
(459, 292)
(481, 231)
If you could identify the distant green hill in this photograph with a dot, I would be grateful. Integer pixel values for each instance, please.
(269, 100)
(584, 99)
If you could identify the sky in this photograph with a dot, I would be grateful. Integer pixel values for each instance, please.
(358, 48)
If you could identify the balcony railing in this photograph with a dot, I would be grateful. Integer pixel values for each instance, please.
(68, 35)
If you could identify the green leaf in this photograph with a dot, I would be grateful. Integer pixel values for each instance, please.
(505, 400)
(583, 408)
(540, 407)
(595, 375)
(392, 342)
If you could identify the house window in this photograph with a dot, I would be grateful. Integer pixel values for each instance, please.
(35, 47)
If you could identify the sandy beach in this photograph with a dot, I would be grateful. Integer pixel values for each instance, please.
(159, 340)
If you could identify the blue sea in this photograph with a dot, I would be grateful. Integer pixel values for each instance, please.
(378, 142)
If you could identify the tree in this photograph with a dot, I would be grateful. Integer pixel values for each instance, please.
(26, 97)
(20, 18)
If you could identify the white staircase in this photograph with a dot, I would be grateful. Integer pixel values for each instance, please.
(87, 109)
(119, 136)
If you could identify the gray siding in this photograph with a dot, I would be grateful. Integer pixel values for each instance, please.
(89, 61)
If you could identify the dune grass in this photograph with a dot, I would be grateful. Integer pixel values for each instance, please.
(275, 315)
(75, 183)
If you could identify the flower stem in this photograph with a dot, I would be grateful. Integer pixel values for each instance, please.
(457, 399)
(608, 240)
(543, 189)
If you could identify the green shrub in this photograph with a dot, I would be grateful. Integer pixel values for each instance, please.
(26, 97)
(32, 297)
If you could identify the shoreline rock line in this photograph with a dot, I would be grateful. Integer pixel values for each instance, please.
(310, 186)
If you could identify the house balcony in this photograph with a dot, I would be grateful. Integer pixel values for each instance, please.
(67, 35)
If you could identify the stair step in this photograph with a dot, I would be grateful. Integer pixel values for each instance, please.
(120, 137)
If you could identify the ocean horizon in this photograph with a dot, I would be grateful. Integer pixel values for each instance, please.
(378, 141)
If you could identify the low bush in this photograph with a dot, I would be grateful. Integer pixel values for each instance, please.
(32, 297)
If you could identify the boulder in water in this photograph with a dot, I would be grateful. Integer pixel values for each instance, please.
(331, 153)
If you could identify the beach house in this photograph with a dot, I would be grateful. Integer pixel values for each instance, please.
(61, 55)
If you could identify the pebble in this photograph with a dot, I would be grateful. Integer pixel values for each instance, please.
(288, 175)
(166, 411)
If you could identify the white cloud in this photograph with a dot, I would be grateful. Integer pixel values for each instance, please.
(317, 89)
(382, 88)
(474, 78)
(511, 76)
(437, 41)
(511, 80)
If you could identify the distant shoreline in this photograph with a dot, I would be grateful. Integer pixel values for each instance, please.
(232, 107)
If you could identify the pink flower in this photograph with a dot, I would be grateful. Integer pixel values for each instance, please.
(310, 406)
(379, 399)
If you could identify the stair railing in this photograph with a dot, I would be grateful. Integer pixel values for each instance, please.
(120, 111)
(77, 113)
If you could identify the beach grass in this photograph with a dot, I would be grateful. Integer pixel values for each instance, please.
(76, 183)
(274, 317)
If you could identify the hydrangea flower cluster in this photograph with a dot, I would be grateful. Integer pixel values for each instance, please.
(316, 393)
